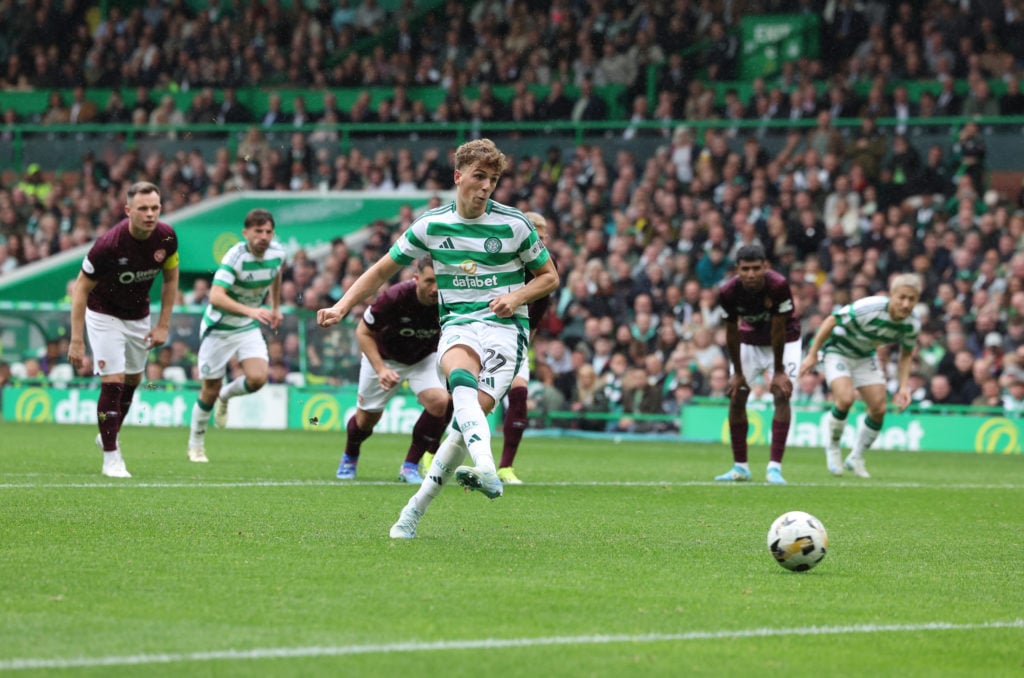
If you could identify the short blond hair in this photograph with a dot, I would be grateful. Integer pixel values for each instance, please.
(539, 223)
(911, 280)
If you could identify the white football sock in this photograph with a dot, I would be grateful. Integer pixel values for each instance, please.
(235, 388)
(449, 455)
(866, 436)
(197, 431)
(476, 431)
(835, 428)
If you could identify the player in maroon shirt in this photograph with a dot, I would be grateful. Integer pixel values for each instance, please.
(398, 336)
(761, 335)
(515, 414)
(111, 301)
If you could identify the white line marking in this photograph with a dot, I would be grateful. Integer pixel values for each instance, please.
(491, 644)
(200, 484)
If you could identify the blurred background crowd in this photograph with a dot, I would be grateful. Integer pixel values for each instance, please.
(642, 240)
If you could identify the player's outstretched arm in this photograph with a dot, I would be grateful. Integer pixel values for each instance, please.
(365, 285)
(367, 344)
(276, 316)
(824, 332)
(901, 399)
(79, 298)
(168, 295)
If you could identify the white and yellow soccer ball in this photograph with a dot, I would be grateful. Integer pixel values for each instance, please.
(797, 541)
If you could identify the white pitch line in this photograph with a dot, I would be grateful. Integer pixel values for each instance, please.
(489, 644)
(200, 484)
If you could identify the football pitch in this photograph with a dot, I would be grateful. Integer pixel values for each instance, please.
(614, 559)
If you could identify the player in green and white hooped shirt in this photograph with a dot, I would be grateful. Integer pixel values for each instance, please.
(480, 250)
(231, 324)
(849, 338)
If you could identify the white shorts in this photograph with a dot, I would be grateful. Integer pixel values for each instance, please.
(502, 352)
(421, 376)
(524, 371)
(118, 346)
(757, 360)
(863, 371)
(217, 348)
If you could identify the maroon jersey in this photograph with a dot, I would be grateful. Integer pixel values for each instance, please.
(405, 330)
(124, 269)
(538, 307)
(754, 310)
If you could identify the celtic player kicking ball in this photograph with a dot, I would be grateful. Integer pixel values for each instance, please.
(481, 250)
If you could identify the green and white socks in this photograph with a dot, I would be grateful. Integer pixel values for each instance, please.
(471, 420)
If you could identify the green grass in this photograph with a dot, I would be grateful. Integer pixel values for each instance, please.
(614, 560)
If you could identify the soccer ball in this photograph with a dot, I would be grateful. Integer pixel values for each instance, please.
(797, 541)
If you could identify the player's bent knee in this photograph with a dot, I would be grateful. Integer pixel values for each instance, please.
(437, 407)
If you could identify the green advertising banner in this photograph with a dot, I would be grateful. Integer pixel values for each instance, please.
(274, 406)
(303, 220)
(914, 432)
(151, 407)
(771, 40)
(278, 406)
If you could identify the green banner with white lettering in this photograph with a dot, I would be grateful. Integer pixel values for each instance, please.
(914, 432)
(771, 40)
(278, 406)
(46, 405)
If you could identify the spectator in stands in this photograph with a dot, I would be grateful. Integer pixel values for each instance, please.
(968, 155)
(115, 111)
(1012, 102)
(300, 115)
(990, 397)
(35, 186)
(1013, 398)
(167, 115)
(979, 101)
(83, 110)
(589, 398)
(274, 115)
(231, 111)
(57, 111)
(638, 398)
(940, 394)
(589, 107)
(868, 148)
(368, 18)
(947, 102)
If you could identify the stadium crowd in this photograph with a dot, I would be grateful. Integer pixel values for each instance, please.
(641, 242)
